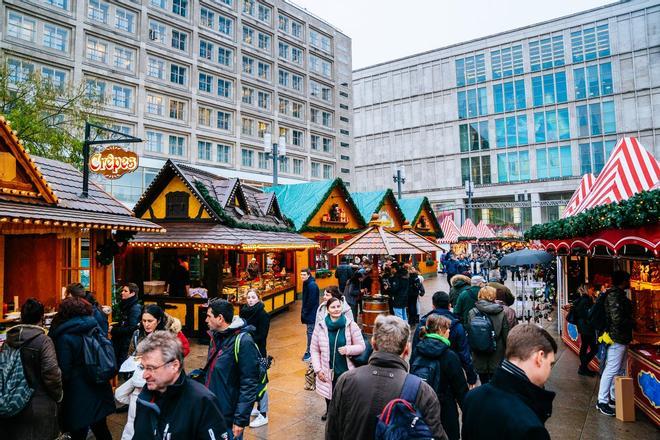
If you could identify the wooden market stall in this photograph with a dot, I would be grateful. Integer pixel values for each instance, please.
(230, 238)
(382, 203)
(50, 236)
(430, 247)
(420, 215)
(325, 212)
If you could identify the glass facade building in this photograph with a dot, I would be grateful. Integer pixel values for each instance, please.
(521, 114)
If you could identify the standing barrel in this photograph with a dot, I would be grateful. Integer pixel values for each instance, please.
(371, 309)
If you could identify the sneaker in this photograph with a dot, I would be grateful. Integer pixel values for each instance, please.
(260, 420)
(612, 404)
(307, 357)
(605, 409)
(255, 412)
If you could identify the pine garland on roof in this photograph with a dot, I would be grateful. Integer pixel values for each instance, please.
(337, 182)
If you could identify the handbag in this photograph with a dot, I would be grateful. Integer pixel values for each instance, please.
(199, 375)
(310, 378)
(363, 358)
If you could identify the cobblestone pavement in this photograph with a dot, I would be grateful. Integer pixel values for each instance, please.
(296, 414)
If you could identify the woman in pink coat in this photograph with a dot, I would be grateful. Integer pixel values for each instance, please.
(335, 339)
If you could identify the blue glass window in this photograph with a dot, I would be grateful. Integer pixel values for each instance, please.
(580, 84)
(552, 125)
(537, 91)
(470, 70)
(553, 162)
(498, 98)
(502, 174)
(509, 96)
(500, 132)
(609, 118)
(560, 87)
(483, 101)
(598, 156)
(595, 119)
(483, 135)
(524, 165)
(585, 159)
(606, 79)
(474, 136)
(507, 62)
(462, 105)
(583, 120)
(593, 156)
(592, 80)
(511, 138)
(546, 53)
(513, 166)
(472, 103)
(590, 43)
(539, 127)
(566, 161)
(520, 94)
(460, 72)
(522, 130)
(541, 164)
(549, 89)
(511, 131)
(563, 124)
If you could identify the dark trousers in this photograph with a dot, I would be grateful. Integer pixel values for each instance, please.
(588, 349)
(449, 418)
(100, 430)
(413, 313)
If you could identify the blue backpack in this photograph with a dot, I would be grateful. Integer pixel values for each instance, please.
(400, 420)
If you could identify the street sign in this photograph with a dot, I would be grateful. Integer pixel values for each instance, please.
(113, 162)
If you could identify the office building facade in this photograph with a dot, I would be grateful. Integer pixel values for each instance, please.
(520, 115)
(200, 81)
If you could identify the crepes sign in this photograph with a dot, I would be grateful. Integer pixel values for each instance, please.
(113, 162)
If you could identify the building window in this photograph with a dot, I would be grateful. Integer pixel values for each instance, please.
(204, 150)
(264, 41)
(248, 7)
(121, 96)
(262, 161)
(177, 74)
(177, 145)
(61, 4)
(205, 82)
(596, 119)
(283, 23)
(474, 136)
(180, 7)
(21, 27)
(204, 116)
(56, 77)
(205, 49)
(590, 43)
(284, 164)
(327, 145)
(177, 109)
(247, 95)
(593, 156)
(247, 158)
(156, 68)
(552, 125)
(297, 29)
(97, 50)
(225, 56)
(297, 167)
(154, 105)
(154, 142)
(513, 166)
(507, 61)
(248, 35)
(320, 66)
(179, 40)
(472, 103)
(98, 11)
(316, 141)
(593, 81)
(157, 32)
(123, 58)
(95, 88)
(297, 110)
(263, 100)
(320, 41)
(509, 96)
(225, 88)
(224, 153)
(224, 120)
(176, 204)
(476, 169)
(553, 162)
(248, 65)
(297, 137)
(264, 13)
(342, 157)
(549, 89)
(320, 91)
(470, 70)
(247, 127)
(297, 56)
(263, 71)
(124, 20)
(327, 171)
(283, 78)
(206, 17)
(56, 38)
(316, 169)
(511, 131)
(546, 53)
(226, 25)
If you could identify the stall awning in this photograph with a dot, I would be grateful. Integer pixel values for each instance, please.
(215, 236)
(586, 183)
(468, 229)
(450, 231)
(421, 242)
(614, 240)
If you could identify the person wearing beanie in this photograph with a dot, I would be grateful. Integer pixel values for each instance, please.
(468, 298)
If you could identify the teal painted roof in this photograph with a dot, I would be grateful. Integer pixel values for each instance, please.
(411, 207)
(300, 201)
(367, 202)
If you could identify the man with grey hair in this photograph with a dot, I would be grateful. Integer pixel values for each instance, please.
(361, 394)
(172, 406)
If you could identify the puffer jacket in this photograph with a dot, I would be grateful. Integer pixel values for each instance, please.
(320, 351)
(487, 363)
(235, 384)
(458, 284)
(322, 311)
(44, 377)
(619, 315)
(171, 324)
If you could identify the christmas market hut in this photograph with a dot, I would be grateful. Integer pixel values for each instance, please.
(419, 214)
(382, 203)
(51, 236)
(325, 212)
(227, 236)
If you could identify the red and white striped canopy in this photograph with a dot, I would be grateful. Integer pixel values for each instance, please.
(580, 193)
(449, 230)
(468, 229)
(483, 231)
(629, 170)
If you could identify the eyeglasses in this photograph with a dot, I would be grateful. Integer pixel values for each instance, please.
(150, 369)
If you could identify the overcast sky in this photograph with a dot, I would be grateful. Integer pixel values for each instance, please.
(383, 30)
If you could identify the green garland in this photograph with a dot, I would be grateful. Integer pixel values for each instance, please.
(227, 220)
(328, 229)
(639, 210)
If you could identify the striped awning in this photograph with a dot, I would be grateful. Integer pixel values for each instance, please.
(468, 229)
(629, 170)
(483, 231)
(579, 195)
(449, 230)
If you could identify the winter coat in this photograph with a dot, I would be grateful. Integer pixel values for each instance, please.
(320, 351)
(84, 402)
(465, 302)
(128, 320)
(451, 266)
(503, 293)
(458, 284)
(457, 337)
(38, 420)
(235, 384)
(310, 301)
(128, 393)
(510, 314)
(343, 273)
(362, 393)
(186, 409)
(487, 363)
(352, 292)
(171, 324)
(399, 291)
(99, 315)
(322, 311)
(619, 314)
(581, 308)
(257, 317)
(508, 407)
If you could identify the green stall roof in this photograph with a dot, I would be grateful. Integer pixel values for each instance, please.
(411, 208)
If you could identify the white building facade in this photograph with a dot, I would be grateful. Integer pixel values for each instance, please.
(520, 115)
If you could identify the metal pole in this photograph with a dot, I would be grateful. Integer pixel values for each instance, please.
(85, 188)
(469, 194)
(398, 182)
(276, 155)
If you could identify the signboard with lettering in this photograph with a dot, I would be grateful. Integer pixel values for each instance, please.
(113, 162)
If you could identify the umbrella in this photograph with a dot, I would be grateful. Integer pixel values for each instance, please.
(526, 257)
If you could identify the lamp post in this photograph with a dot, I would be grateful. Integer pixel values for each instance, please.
(469, 190)
(399, 178)
(273, 151)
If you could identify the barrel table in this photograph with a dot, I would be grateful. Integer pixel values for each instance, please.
(372, 307)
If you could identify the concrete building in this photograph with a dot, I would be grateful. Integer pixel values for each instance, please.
(201, 81)
(521, 114)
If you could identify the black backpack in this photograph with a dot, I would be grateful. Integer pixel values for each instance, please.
(428, 370)
(98, 356)
(597, 316)
(481, 333)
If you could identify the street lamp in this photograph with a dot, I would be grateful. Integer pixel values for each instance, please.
(399, 178)
(274, 151)
(469, 190)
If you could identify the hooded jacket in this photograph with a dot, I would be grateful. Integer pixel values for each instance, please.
(487, 363)
(187, 410)
(465, 302)
(257, 317)
(43, 376)
(310, 301)
(235, 384)
(508, 407)
(170, 324)
(130, 311)
(84, 402)
(458, 284)
(322, 311)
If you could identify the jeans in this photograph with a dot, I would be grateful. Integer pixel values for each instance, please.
(615, 366)
(401, 313)
(310, 331)
(262, 404)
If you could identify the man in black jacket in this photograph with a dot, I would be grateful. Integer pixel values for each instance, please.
(514, 405)
(343, 273)
(172, 406)
(310, 304)
(128, 320)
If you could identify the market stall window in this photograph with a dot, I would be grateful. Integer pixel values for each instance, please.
(176, 204)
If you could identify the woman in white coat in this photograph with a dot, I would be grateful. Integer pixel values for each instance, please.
(128, 392)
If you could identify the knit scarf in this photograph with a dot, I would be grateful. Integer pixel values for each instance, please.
(439, 338)
(337, 338)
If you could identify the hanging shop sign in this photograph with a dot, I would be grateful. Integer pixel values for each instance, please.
(113, 162)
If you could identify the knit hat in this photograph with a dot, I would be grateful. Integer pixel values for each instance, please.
(476, 280)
